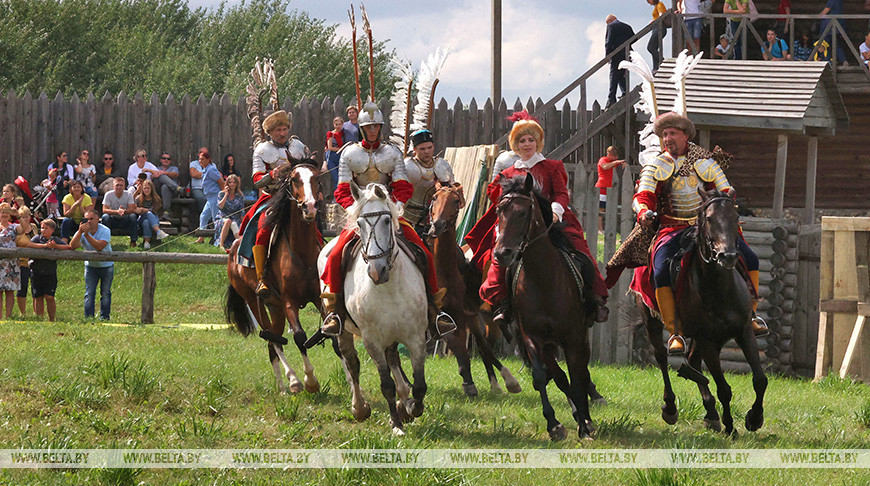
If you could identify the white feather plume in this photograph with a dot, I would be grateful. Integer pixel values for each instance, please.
(684, 65)
(639, 66)
(430, 69)
(400, 111)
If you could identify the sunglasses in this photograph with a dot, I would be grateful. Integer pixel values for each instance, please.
(165, 158)
(85, 153)
(108, 158)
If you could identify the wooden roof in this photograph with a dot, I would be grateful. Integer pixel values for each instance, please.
(795, 97)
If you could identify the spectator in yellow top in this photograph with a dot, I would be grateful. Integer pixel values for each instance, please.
(657, 34)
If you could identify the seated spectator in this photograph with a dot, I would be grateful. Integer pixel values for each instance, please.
(106, 173)
(774, 48)
(74, 206)
(93, 236)
(119, 211)
(196, 168)
(13, 197)
(229, 167)
(140, 165)
(147, 206)
(721, 51)
(166, 181)
(43, 271)
(231, 204)
(802, 47)
(86, 173)
(865, 50)
(65, 174)
(10, 273)
(23, 240)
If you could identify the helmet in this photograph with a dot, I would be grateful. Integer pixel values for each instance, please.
(370, 115)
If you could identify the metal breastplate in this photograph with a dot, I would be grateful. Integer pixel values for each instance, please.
(367, 166)
(683, 200)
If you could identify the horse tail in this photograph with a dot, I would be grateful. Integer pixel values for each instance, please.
(236, 311)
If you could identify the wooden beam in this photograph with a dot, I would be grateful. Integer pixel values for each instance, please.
(812, 164)
(824, 351)
(496, 52)
(779, 184)
(149, 284)
(114, 256)
(853, 343)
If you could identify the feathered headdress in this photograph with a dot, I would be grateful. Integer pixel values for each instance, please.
(427, 81)
(405, 117)
(400, 118)
(639, 66)
(684, 65)
(262, 87)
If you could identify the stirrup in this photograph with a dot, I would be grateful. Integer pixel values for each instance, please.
(759, 327)
(332, 325)
(444, 325)
(262, 290)
(676, 345)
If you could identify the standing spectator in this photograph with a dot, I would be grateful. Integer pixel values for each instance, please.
(721, 51)
(783, 24)
(10, 273)
(865, 49)
(93, 236)
(605, 180)
(50, 185)
(617, 34)
(86, 173)
(64, 176)
(106, 173)
(212, 184)
(741, 8)
(13, 197)
(232, 204)
(23, 240)
(350, 128)
(166, 181)
(229, 166)
(74, 206)
(655, 46)
(197, 167)
(693, 24)
(119, 211)
(148, 205)
(334, 142)
(775, 49)
(44, 272)
(140, 165)
(833, 7)
(802, 46)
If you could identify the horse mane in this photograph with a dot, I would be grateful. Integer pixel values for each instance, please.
(517, 184)
(282, 202)
(366, 195)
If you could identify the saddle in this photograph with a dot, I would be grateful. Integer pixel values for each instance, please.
(683, 258)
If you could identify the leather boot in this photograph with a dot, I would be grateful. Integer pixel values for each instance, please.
(260, 264)
(332, 325)
(440, 323)
(668, 311)
(759, 327)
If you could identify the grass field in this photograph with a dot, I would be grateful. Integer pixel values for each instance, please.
(76, 384)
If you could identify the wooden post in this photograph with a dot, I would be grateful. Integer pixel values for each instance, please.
(812, 163)
(496, 52)
(149, 283)
(779, 184)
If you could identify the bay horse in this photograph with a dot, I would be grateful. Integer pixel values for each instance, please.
(386, 303)
(552, 304)
(462, 300)
(714, 307)
(291, 274)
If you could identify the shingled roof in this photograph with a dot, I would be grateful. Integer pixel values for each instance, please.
(791, 97)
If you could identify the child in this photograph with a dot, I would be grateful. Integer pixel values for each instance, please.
(51, 202)
(722, 48)
(44, 272)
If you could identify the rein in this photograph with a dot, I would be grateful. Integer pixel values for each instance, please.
(526, 241)
(704, 245)
(373, 237)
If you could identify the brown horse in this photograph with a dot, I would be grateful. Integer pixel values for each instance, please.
(291, 273)
(462, 300)
(552, 305)
(715, 307)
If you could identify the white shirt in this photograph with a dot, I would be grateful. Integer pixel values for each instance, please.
(134, 170)
(864, 48)
(691, 6)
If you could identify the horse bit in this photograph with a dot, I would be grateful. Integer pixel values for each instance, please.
(378, 215)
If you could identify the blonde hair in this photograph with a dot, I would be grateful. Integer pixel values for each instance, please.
(233, 177)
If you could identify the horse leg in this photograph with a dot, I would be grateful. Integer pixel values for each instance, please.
(654, 329)
(417, 350)
(456, 342)
(700, 350)
(277, 327)
(723, 391)
(388, 386)
(540, 378)
(749, 345)
(577, 359)
(403, 389)
(299, 337)
(349, 359)
(490, 360)
(276, 367)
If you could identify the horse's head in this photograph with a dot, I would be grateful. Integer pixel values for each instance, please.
(519, 219)
(446, 203)
(377, 218)
(718, 228)
(301, 182)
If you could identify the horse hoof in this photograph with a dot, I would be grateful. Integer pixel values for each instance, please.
(584, 435)
(754, 422)
(590, 426)
(732, 434)
(416, 408)
(715, 425)
(511, 383)
(404, 412)
(558, 433)
(361, 413)
(398, 432)
(670, 418)
(296, 387)
(470, 390)
(312, 385)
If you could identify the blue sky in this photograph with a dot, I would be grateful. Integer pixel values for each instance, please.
(546, 44)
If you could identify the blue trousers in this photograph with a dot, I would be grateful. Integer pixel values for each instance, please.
(126, 222)
(147, 222)
(104, 276)
(209, 211)
(662, 272)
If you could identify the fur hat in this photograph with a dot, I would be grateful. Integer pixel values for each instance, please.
(277, 119)
(674, 120)
(525, 124)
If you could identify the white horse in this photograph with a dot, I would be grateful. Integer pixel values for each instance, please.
(385, 299)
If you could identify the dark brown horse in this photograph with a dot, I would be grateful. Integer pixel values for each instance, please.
(291, 273)
(462, 300)
(715, 306)
(552, 305)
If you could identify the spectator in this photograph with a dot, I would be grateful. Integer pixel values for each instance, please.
(13, 197)
(65, 174)
(74, 206)
(783, 24)
(119, 211)
(148, 204)
(334, 142)
(802, 46)
(721, 51)
(605, 180)
(10, 273)
(694, 25)
(212, 184)
(50, 185)
(741, 8)
(617, 34)
(166, 181)
(833, 7)
(86, 173)
(106, 173)
(865, 49)
(231, 203)
(43, 271)
(23, 240)
(655, 44)
(350, 129)
(774, 48)
(93, 236)
(196, 170)
(229, 166)
(140, 165)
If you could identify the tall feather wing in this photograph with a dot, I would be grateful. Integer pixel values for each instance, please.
(639, 66)
(260, 88)
(401, 111)
(430, 69)
(684, 65)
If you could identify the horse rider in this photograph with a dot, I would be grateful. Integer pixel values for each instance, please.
(526, 141)
(674, 178)
(423, 170)
(366, 162)
(280, 149)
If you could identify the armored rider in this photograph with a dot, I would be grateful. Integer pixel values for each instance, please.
(363, 163)
(280, 149)
(423, 170)
(669, 186)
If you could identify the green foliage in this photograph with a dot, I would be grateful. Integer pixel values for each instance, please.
(863, 415)
(163, 46)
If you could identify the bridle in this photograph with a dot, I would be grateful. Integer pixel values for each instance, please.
(526, 241)
(432, 203)
(705, 245)
(288, 184)
(373, 237)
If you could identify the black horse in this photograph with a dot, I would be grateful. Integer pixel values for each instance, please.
(714, 306)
